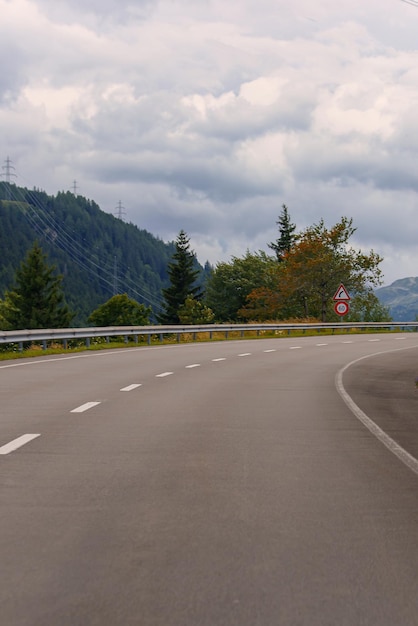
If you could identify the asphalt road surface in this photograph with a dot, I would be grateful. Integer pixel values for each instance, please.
(222, 484)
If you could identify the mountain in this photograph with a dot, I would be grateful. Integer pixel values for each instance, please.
(97, 254)
(401, 297)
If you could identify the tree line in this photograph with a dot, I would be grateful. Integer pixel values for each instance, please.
(297, 282)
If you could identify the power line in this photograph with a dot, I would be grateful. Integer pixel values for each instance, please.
(40, 219)
(115, 277)
(43, 223)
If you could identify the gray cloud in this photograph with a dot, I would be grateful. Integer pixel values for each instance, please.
(104, 10)
(209, 115)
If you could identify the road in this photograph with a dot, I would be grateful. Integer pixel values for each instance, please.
(215, 484)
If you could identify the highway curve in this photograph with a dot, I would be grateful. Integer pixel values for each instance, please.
(219, 484)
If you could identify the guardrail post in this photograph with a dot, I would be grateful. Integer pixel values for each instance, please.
(87, 342)
(149, 340)
(44, 344)
(210, 334)
(226, 334)
(161, 337)
(20, 346)
(64, 344)
(108, 339)
(242, 333)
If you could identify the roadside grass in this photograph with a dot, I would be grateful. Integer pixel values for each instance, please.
(11, 351)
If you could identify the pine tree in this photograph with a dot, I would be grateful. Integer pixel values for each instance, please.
(37, 301)
(183, 275)
(287, 235)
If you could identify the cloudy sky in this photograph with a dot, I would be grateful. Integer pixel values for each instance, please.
(208, 115)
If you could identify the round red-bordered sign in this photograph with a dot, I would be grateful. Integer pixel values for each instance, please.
(341, 308)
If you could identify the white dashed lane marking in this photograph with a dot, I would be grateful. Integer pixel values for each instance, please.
(85, 407)
(131, 387)
(27, 438)
(17, 443)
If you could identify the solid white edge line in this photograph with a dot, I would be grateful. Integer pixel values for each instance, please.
(17, 443)
(131, 387)
(404, 456)
(84, 407)
(100, 354)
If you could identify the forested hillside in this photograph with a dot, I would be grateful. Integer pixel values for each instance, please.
(97, 254)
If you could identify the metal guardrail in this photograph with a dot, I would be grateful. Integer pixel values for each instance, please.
(21, 337)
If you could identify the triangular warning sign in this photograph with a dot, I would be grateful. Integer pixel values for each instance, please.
(341, 293)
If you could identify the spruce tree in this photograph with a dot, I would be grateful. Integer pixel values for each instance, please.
(287, 235)
(37, 301)
(182, 274)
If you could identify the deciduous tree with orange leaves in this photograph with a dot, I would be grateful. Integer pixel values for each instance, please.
(310, 272)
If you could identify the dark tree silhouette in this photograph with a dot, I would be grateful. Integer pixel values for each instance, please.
(37, 300)
(286, 237)
(183, 275)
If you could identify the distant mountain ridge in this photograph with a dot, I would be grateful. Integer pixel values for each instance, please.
(401, 298)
